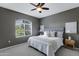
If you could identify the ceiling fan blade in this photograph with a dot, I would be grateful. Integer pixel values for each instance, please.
(42, 4)
(45, 8)
(33, 4)
(33, 9)
(38, 4)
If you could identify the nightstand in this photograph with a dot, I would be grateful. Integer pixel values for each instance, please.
(70, 43)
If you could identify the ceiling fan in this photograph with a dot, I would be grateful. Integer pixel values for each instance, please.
(39, 7)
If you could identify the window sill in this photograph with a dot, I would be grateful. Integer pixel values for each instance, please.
(23, 36)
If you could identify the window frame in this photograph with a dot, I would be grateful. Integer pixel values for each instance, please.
(24, 27)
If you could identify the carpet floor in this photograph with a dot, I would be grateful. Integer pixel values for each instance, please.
(24, 50)
(66, 51)
(19, 50)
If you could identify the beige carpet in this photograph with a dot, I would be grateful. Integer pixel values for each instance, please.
(20, 50)
(24, 50)
(66, 51)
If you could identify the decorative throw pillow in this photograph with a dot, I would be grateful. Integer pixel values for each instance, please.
(60, 34)
(52, 33)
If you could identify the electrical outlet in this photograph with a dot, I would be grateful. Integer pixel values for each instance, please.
(9, 41)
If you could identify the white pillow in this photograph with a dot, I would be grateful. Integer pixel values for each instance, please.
(60, 34)
(52, 33)
(46, 33)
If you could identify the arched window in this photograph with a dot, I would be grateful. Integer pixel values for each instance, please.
(23, 28)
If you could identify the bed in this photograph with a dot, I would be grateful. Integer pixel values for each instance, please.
(47, 44)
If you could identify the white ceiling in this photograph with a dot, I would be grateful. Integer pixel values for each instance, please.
(26, 8)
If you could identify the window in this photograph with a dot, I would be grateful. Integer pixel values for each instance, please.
(23, 28)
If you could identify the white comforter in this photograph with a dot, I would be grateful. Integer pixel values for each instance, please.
(47, 45)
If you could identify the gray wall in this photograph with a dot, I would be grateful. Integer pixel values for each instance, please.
(58, 20)
(7, 27)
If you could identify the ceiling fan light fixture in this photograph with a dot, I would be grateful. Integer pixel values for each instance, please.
(39, 9)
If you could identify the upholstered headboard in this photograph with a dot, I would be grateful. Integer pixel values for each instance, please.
(59, 31)
(54, 29)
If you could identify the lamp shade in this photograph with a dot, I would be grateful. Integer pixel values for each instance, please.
(41, 28)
